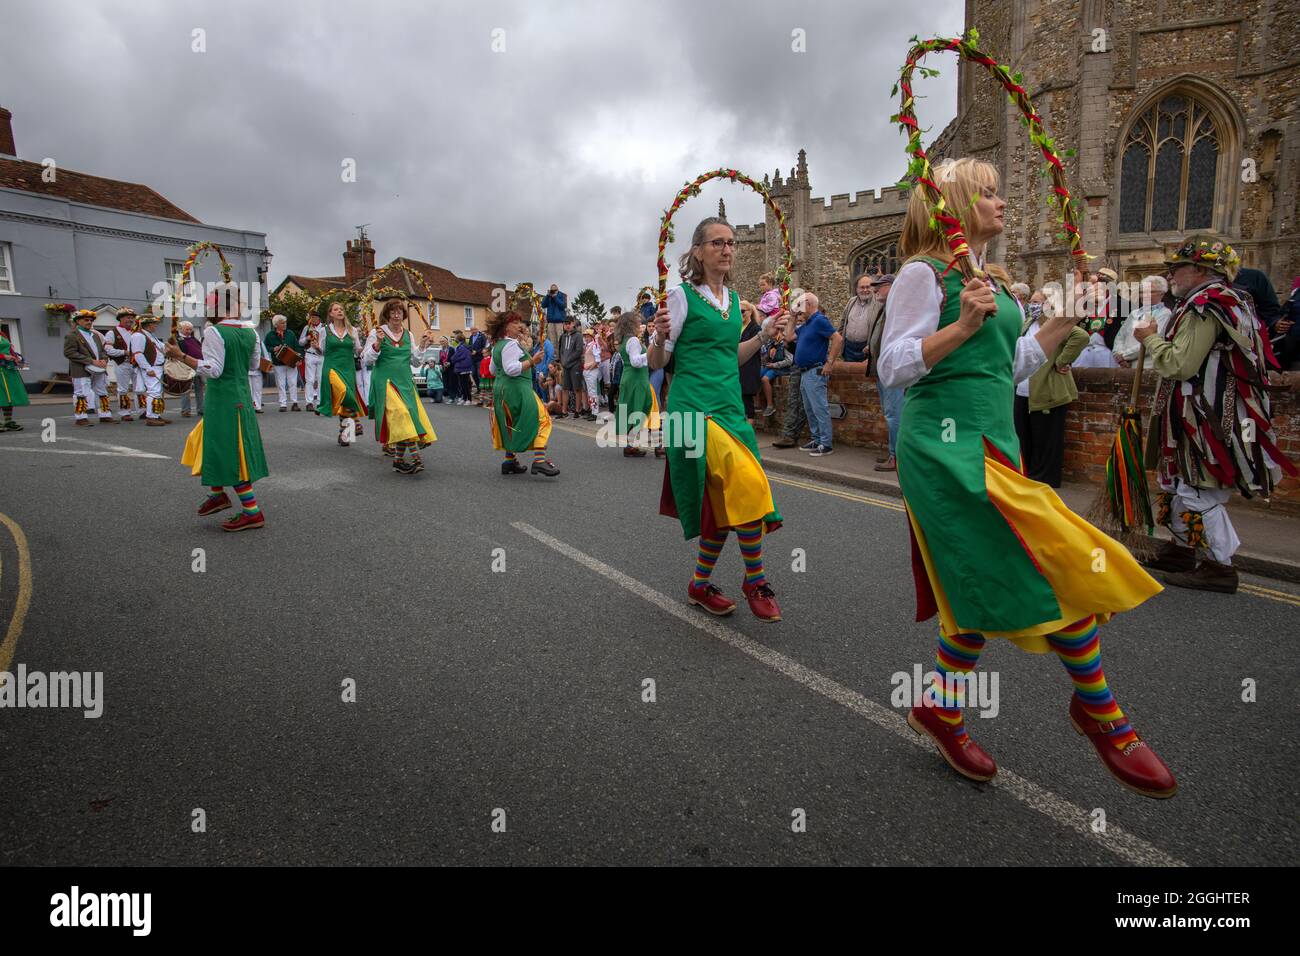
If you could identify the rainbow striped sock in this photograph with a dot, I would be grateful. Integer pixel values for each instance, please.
(216, 491)
(1079, 648)
(246, 499)
(710, 548)
(539, 454)
(510, 456)
(750, 537)
(956, 655)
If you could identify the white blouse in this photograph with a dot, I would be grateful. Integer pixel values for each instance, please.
(912, 314)
(636, 355)
(677, 309)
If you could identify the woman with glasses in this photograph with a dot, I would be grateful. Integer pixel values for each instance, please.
(713, 479)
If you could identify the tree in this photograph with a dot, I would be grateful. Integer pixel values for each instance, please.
(588, 307)
(294, 306)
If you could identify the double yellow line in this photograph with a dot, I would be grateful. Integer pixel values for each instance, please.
(23, 596)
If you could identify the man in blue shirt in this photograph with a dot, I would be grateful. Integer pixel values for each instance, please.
(556, 305)
(817, 345)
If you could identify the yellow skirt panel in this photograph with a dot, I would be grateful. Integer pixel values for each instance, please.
(401, 427)
(1089, 572)
(193, 454)
(735, 481)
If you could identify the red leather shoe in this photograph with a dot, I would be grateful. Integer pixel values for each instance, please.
(762, 601)
(967, 758)
(1136, 766)
(244, 522)
(213, 505)
(710, 598)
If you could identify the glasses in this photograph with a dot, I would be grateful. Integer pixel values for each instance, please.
(722, 243)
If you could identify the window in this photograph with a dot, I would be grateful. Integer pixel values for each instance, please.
(1169, 168)
(7, 269)
(879, 255)
(435, 321)
(469, 316)
(172, 271)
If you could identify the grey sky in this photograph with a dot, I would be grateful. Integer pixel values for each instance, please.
(550, 161)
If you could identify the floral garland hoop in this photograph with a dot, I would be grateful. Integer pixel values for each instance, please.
(368, 322)
(193, 255)
(693, 189)
(920, 172)
(344, 296)
(535, 304)
(411, 273)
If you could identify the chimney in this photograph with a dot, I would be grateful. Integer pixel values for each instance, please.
(7, 134)
(358, 261)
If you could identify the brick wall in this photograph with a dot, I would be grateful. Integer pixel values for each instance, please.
(1090, 423)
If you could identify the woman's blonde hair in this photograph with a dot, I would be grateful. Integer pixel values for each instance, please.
(960, 181)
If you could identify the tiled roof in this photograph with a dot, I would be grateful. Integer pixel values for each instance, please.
(314, 285)
(93, 190)
(445, 284)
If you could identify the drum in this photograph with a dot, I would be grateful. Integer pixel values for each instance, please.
(177, 377)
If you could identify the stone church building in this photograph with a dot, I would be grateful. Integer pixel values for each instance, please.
(1184, 115)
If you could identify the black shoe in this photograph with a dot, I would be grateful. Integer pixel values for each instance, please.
(404, 467)
(1172, 557)
(544, 467)
(417, 464)
(512, 467)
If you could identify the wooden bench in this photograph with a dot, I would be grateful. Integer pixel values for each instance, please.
(58, 378)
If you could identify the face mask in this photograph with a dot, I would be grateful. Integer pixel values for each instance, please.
(1035, 310)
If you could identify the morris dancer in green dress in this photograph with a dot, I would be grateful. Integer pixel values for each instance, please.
(637, 405)
(994, 554)
(713, 476)
(338, 383)
(225, 447)
(401, 425)
(520, 422)
(12, 390)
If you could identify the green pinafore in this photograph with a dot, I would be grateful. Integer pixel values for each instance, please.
(713, 477)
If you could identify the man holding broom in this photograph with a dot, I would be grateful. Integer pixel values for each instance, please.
(1211, 429)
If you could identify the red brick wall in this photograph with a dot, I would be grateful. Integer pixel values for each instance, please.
(1090, 422)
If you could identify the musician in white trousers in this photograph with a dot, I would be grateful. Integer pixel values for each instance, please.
(311, 339)
(286, 367)
(147, 355)
(117, 343)
(84, 350)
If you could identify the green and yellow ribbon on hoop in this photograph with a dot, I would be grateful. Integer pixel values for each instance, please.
(693, 189)
(414, 274)
(193, 256)
(921, 174)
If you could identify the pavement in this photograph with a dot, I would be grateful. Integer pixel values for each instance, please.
(531, 688)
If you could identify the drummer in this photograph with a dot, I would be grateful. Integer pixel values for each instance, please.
(193, 347)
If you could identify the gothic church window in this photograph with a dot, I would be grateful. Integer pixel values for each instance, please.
(1169, 168)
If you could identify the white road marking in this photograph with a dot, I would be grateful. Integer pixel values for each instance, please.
(1128, 847)
(121, 453)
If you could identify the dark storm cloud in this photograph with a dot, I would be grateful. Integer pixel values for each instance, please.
(550, 161)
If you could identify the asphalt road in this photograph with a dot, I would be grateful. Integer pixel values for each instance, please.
(521, 690)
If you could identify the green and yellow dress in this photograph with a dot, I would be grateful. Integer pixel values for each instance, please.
(393, 401)
(637, 403)
(993, 551)
(520, 421)
(713, 476)
(12, 389)
(339, 395)
(225, 447)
